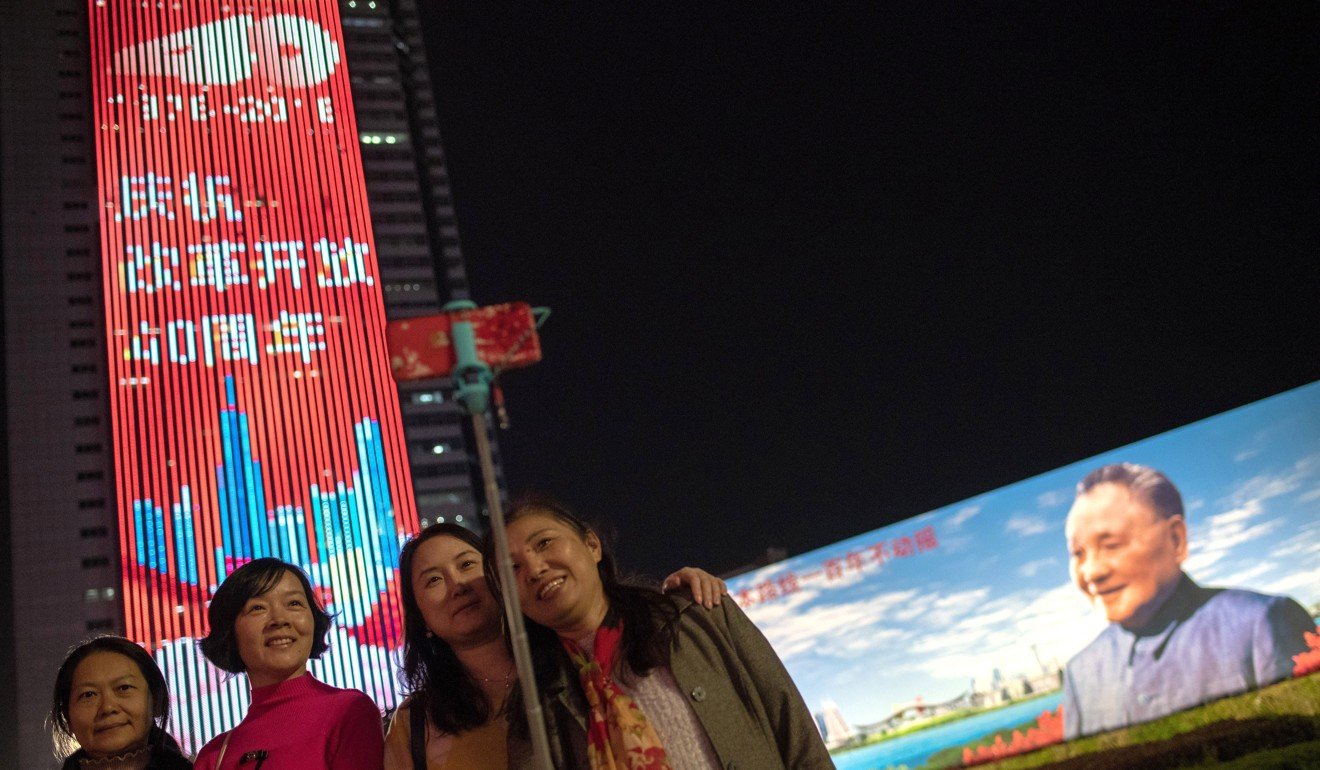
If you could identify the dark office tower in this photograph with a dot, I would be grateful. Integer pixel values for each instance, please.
(165, 236)
(416, 233)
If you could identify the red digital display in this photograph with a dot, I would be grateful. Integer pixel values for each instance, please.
(253, 409)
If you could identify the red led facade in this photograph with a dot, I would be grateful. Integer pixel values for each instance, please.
(252, 404)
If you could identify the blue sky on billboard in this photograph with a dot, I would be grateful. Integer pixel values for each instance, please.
(939, 602)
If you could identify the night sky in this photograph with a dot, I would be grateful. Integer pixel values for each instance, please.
(816, 270)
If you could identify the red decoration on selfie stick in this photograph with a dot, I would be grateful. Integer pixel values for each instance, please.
(505, 337)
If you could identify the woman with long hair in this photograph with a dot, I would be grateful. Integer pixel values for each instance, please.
(266, 622)
(634, 678)
(111, 708)
(457, 662)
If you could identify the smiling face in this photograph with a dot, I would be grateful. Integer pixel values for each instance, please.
(555, 568)
(1124, 556)
(274, 632)
(449, 586)
(109, 705)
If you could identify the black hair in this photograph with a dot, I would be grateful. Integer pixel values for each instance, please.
(645, 612)
(254, 579)
(58, 719)
(1141, 480)
(441, 686)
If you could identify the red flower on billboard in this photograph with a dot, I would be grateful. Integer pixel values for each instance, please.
(1308, 662)
(1048, 731)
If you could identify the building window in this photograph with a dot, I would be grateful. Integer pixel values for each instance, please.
(383, 138)
(433, 447)
(92, 562)
(86, 449)
(93, 595)
(440, 469)
(436, 418)
(429, 397)
(100, 624)
(94, 502)
(92, 533)
(90, 476)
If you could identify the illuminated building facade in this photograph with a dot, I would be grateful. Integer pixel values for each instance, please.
(194, 293)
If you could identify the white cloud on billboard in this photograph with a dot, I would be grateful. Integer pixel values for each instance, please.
(957, 544)
(1057, 622)
(1026, 526)
(1305, 542)
(1303, 585)
(1248, 576)
(945, 608)
(1220, 533)
(864, 627)
(839, 630)
(1214, 540)
(1246, 454)
(1266, 485)
(963, 514)
(1032, 567)
(1055, 498)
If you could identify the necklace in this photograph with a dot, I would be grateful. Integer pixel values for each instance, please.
(508, 674)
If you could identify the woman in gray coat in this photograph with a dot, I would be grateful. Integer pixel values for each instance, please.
(631, 677)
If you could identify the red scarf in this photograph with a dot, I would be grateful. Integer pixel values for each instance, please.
(619, 737)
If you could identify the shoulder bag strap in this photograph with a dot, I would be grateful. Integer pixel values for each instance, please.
(223, 747)
(417, 734)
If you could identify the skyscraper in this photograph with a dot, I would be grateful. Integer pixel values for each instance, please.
(72, 371)
(834, 729)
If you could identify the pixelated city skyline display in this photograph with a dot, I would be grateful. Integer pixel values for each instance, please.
(253, 409)
(955, 608)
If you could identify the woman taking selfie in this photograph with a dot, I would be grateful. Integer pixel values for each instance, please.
(658, 681)
(266, 623)
(457, 662)
(112, 706)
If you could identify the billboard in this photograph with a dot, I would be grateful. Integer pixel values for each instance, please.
(252, 404)
(1001, 623)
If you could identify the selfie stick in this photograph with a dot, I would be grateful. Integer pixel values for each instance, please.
(472, 379)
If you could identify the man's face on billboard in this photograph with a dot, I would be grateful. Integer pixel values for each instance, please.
(1124, 557)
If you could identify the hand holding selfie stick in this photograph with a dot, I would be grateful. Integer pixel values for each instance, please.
(472, 384)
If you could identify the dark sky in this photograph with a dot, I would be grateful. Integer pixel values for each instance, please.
(816, 270)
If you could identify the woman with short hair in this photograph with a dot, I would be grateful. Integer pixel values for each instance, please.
(266, 622)
(110, 709)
